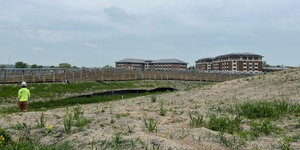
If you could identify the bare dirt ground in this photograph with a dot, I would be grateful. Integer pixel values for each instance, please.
(173, 130)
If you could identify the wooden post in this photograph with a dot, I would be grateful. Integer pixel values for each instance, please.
(33, 78)
(44, 79)
(102, 78)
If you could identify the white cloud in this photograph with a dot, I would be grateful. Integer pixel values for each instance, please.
(37, 49)
(91, 45)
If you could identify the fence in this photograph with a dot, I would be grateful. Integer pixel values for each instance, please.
(112, 74)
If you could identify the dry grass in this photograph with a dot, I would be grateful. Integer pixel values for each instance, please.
(106, 120)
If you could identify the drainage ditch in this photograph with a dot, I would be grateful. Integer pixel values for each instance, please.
(124, 92)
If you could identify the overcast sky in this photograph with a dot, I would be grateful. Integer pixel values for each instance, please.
(94, 33)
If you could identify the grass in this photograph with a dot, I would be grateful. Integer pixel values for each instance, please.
(265, 109)
(52, 104)
(25, 142)
(56, 91)
(224, 123)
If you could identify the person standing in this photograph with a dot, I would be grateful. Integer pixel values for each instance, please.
(23, 96)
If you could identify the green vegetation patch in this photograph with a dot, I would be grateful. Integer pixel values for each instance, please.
(52, 104)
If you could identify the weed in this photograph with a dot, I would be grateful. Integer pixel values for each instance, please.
(196, 121)
(153, 98)
(151, 125)
(130, 130)
(77, 111)
(163, 111)
(67, 121)
(118, 138)
(112, 121)
(41, 121)
(225, 140)
(286, 143)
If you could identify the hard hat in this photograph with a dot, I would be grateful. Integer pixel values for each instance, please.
(23, 83)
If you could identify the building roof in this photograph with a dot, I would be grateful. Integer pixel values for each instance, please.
(174, 61)
(275, 68)
(206, 59)
(247, 54)
(131, 60)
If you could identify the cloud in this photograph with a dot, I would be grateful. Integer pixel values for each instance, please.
(37, 49)
(91, 45)
(220, 38)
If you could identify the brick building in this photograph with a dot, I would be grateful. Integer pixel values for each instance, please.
(161, 64)
(247, 62)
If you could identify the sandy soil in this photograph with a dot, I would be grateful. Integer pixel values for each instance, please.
(173, 130)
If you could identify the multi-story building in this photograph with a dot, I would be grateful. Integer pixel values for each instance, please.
(205, 63)
(161, 64)
(247, 62)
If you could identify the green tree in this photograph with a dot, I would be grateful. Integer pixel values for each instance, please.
(52, 66)
(108, 66)
(34, 66)
(40, 66)
(191, 67)
(264, 64)
(75, 67)
(20, 64)
(64, 65)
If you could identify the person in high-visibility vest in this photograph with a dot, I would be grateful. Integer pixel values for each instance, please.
(23, 96)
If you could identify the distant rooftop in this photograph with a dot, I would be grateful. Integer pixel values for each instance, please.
(206, 59)
(133, 60)
(246, 54)
(169, 61)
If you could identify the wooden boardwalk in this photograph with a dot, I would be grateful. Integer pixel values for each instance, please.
(103, 74)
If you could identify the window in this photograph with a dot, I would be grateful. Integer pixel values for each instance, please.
(234, 61)
(234, 64)
(244, 58)
(245, 65)
(244, 61)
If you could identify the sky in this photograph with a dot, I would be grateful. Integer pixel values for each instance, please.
(95, 33)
